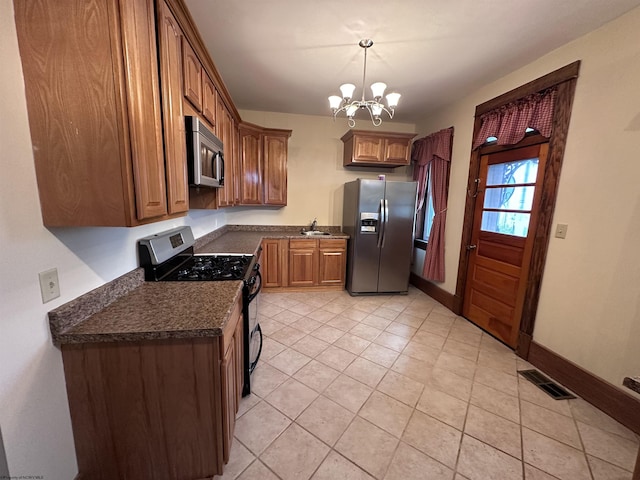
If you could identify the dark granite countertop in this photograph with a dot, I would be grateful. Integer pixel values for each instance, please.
(247, 238)
(130, 309)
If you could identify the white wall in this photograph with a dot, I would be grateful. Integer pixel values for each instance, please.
(34, 416)
(315, 172)
(589, 310)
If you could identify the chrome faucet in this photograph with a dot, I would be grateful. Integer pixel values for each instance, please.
(314, 225)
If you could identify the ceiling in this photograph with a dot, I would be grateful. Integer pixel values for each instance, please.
(290, 55)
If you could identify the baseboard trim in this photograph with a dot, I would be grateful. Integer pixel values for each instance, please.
(598, 392)
(438, 294)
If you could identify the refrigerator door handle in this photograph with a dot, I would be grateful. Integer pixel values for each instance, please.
(381, 224)
(386, 219)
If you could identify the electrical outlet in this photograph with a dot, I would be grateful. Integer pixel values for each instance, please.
(49, 285)
(561, 230)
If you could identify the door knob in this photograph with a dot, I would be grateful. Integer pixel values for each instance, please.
(471, 247)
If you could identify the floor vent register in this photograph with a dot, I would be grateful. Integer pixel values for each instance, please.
(548, 386)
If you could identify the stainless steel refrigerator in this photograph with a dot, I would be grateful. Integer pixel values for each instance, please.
(379, 217)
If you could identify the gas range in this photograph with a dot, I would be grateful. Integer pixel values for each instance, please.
(169, 257)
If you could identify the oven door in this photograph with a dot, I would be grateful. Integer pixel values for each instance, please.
(255, 332)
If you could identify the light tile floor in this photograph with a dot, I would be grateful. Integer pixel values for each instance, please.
(400, 388)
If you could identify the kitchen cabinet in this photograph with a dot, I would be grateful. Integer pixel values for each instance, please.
(209, 99)
(226, 132)
(250, 164)
(377, 149)
(274, 262)
(161, 409)
(233, 346)
(199, 89)
(332, 260)
(170, 61)
(192, 74)
(96, 124)
(263, 165)
(304, 263)
(275, 167)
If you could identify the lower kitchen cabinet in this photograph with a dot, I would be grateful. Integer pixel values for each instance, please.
(161, 409)
(304, 263)
(274, 262)
(332, 260)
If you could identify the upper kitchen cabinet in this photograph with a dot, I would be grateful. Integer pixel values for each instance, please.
(93, 96)
(377, 149)
(227, 132)
(263, 165)
(198, 87)
(169, 42)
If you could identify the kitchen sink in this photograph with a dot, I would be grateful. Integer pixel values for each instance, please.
(313, 233)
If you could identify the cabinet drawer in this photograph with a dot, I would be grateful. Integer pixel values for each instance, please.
(333, 243)
(303, 243)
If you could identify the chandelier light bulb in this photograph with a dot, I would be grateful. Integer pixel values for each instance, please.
(392, 100)
(347, 90)
(378, 89)
(375, 108)
(334, 102)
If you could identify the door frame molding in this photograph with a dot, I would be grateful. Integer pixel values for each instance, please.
(565, 79)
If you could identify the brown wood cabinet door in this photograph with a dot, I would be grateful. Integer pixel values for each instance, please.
(303, 263)
(271, 263)
(367, 148)
(170, 37)
(226, 197)
(239, 361)
(209, 105)
(333, 260)
(143, 99)
(275, 169)
(250, 166)
(192, 75)
(396, 151)
(229, 407)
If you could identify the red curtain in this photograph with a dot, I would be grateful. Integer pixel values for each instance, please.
(509, 122)
(433, 152)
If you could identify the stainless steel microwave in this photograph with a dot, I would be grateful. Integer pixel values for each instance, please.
(205, 155)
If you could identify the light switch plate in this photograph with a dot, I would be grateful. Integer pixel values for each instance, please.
(561, 230)
(49, 285)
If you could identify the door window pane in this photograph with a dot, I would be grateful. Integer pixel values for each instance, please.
(509, 198)
(521, 171)
(507, 223)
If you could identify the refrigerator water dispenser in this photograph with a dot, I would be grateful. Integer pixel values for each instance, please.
(369, 222)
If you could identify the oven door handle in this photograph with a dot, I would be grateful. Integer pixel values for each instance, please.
(257, 291)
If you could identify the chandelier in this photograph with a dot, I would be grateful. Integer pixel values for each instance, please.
(374, 107)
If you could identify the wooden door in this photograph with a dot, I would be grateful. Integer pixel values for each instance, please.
(505, 214)
(396, 151)
(170, 36)
(271, 263)
(303, 262)
(192, 73)
(225, 133)
(250, 165)
(208, 99)
(367, 148)
(275, 169)
(229, 391)
(332, 261)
